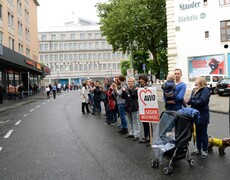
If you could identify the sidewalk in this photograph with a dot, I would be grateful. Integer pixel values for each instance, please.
(11, 104)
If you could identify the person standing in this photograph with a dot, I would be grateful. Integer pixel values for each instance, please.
(21, 91)
(199, 100)
(132, 109)
(1, 94)
(121, 103)
(85, 99)
(48, 92)
(54, 89)
(177, 103)
(143, 84)
(97, 99)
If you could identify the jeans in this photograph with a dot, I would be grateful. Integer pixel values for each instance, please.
(112, 117)
(133, 118)
(84, 106)
(121, 109)
(96, 105)
(202, 136)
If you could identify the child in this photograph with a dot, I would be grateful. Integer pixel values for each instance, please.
(169, 89)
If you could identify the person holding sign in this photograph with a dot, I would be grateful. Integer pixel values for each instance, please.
(143, 79)
(177, 103)
(131, 100)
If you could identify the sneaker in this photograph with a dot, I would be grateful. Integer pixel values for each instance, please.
(204, 155)
(196, 152)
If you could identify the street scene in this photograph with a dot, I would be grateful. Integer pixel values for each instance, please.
(51, 139)
(114, 89)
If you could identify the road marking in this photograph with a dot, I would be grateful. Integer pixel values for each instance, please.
(17, 123)
(48, 101)
(25, 115)
(43, 103)
(2, 122)
(0, 148)
(38, 106)
(8, 134)
(31, 110)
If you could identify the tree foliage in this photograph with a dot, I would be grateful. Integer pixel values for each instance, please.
(135, 25)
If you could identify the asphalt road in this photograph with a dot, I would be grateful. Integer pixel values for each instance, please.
(51, 139)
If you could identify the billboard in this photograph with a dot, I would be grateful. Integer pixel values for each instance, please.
(212, 64)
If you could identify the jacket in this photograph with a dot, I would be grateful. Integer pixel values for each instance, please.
(131, 100)
(199, 100)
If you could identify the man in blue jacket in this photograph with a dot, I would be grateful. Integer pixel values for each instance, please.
(177, 104)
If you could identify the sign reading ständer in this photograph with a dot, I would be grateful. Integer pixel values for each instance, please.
(148, 105)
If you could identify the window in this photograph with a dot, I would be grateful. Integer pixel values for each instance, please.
(10, 19)
(84, 45)
(0, 11)
(75, 46)
(61, 57)
(96, 45)
(19, 7)
(1, 37)
(20, 48)
(224, 2)
(90, 36)
(71, 57)
(206, 34)
(41, 57)
(27, 32)
(19, 28)
(100, 66)
(103, 45)
(104, 55)
(89, 56)
(85, 56)
(71, 46)
(63, 37)
(11, 43)
(56, 57)
(66, 57)
(82, 36)
(75, 56)
(80, 56)
(46, 58)
(51, 57)
(66, 46)
(60, 46)
(72, 36)
(225, 30)
(27, 16)
(96, 35)
(53, 37)
(80, 46)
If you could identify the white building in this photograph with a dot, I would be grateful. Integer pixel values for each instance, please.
(198, 36)
(76, 52)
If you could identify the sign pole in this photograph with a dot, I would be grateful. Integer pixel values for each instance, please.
(28, 84)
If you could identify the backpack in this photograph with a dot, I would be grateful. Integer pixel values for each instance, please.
(103, 96)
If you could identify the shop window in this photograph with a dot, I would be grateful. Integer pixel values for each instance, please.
(225, 30)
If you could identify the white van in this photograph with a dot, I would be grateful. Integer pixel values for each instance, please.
(212, 80)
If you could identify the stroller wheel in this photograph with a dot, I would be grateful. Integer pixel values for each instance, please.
(191, 162)
(155, 163)
(168, 169)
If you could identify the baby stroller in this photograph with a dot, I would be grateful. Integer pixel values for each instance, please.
(172, 137)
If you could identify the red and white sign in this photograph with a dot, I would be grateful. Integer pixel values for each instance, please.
(148, 105)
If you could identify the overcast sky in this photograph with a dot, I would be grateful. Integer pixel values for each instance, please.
(56, 12)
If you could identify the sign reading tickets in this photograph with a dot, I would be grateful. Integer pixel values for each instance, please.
(148, 105)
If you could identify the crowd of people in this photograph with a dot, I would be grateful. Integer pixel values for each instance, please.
(120, 100)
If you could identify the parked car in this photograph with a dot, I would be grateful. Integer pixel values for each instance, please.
(223, 86)
(212, 80)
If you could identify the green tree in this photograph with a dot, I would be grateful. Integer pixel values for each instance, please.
(132, 25)
(125, 64)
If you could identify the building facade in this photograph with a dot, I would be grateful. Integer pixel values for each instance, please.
(198, 37)
(77, 52)
(19, 43)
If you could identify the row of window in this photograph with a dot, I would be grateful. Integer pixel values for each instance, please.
(71, 36)
(74, 46)
(85, 56)
(84, 67)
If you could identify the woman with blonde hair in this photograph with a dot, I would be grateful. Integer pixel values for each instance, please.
(199, 100)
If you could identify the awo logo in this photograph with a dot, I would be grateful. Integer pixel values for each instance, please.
(146, 95)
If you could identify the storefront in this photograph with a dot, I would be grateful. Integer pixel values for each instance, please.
(16, 69)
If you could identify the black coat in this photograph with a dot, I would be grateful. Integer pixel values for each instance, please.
(131, 100)
(200, 102)
(97, 94)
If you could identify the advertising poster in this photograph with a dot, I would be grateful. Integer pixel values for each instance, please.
(148, 105)
(228, 65)
(213, 64)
